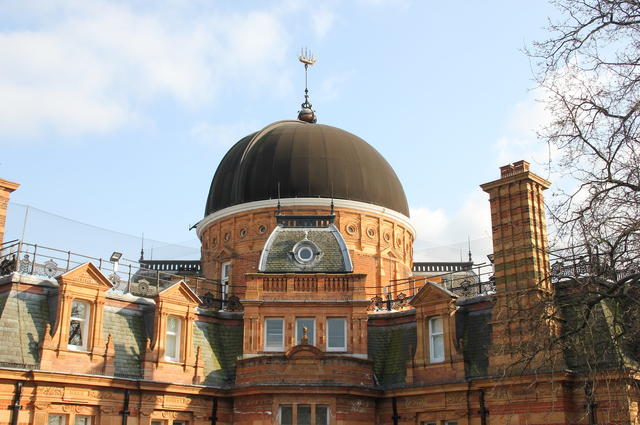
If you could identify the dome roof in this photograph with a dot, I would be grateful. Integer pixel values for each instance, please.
(308, 161)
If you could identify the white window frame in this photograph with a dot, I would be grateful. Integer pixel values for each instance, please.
(225, 275)
(279, 347)
(175, 356)
(312, 340)
(433, 336)
(344, 340)
(84, 326)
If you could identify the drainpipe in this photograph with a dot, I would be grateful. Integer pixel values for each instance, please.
(483, 410)
(395, 417)
(214, 411)
(125, 407)
(15, 407)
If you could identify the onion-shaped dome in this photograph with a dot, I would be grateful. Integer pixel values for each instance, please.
(304, 160)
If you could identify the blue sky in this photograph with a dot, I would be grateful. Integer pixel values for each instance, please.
(117, 113)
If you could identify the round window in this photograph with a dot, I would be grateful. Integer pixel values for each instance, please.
(305, 254)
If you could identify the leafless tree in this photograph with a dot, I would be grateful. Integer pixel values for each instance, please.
(588, 71)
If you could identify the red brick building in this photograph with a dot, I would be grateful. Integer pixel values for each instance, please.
(305, 308)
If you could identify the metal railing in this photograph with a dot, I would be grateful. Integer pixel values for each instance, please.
(144, 279)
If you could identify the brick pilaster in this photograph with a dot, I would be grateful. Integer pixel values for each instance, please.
(6, 187)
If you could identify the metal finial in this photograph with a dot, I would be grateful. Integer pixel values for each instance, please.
(142, 248)
(278, 209)
(306, 112)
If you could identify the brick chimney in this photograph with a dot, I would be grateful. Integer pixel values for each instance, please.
(521, 258)
(6, 187)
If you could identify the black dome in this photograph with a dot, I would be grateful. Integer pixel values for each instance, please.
(308, 160)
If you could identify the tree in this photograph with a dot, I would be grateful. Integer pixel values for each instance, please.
(588, 70)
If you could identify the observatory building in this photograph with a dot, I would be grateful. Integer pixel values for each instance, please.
(305, 308)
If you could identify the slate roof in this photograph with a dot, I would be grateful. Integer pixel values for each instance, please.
(23, 317)
(474, 329)
(277, 256)
(390, 349)
(127, 328)
(221, 345)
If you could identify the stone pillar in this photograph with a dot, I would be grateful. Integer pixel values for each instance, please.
(521, 258)
(6, 187)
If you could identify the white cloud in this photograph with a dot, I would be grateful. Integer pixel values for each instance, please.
(322, 20)
(222, 135)
(443, 235)
(526, 119)
(99, 64)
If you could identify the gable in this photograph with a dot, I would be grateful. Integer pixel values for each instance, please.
(431, 292)
(86, 275)
(178, 293)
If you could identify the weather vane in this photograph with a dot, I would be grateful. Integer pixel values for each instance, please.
(307, 113)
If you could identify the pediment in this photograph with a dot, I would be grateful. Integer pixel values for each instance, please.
(179, 293)
(390, 253)
(431, 291)
(304, 351)
(87, 275)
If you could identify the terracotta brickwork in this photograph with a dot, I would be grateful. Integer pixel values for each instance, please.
(440, 359)
(521, 261)
(380, 246)
(6, 187)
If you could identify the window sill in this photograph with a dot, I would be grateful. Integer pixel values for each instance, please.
(78, 349)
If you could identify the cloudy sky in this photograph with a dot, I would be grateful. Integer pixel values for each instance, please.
(117, 113)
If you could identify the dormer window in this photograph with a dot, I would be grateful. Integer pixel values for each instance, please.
(79, 325)
(305, 252)
(172, 339)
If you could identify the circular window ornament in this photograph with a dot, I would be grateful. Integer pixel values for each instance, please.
(262, 229)
(214, 242)
(351, 229)
(371, 232)
(387, 237)
(227, 236)
(243, 233)
(305, 252)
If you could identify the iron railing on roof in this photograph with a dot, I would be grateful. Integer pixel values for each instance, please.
(440, 267)
(144, 279)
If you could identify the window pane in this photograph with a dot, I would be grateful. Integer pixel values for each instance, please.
(83, 420)
(275, 335)
(304, 414)
(322, 414)
(75, 333)
(437, 348)
(179, 422)
(336, 337)
(56, 420)
(78, 310)
(436, 325)
(286, 414)
(170, 350)
(173, 325)
(156, 422)
(310, 325)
